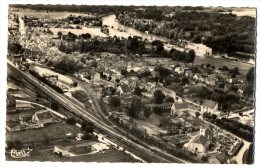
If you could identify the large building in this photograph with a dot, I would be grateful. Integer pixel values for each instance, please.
(209, 106)
(200, 142)
(200, 49)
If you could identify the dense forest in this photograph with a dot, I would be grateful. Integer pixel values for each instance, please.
(221, 32)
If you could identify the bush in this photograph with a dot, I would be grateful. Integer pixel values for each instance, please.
(114, 101)
(71, 121)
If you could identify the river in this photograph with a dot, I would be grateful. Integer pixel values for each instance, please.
(111, 21)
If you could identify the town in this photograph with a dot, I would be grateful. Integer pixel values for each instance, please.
(109, 86)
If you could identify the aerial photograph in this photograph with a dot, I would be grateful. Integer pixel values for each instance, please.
(132, 84)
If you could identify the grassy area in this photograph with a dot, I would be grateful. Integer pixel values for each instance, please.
(151, 124)
(107, 156)
(49, 132)
(218, 62)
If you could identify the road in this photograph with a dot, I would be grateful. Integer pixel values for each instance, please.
(66, 103)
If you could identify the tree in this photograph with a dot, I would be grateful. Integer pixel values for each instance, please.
(250, 76)
(177, 55)
(197, 114)
(59, 34)
(249, 154)
(71, 121)
(169, 99)
(147, 112)
(124, 71)
(190, 56)
(89, 129)
(205, 115)
(158, 97)
(236, 71)
(117, 80)
(135, 106)
(94, 64)
(15, 48)
(138, 91)
(159, 110)
(86, 136)
(214, 117)
(114, 101)
(158, 45)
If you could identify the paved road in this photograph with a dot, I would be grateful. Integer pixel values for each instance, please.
(65, 102)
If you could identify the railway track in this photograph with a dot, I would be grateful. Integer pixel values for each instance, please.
(137, 149)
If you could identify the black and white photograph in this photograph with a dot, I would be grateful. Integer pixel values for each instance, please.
(129, 83)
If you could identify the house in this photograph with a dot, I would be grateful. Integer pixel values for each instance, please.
(240, 91)
(188, 73)
(167, 91)
(141, 84)
(179, 108)
(115, 77)
(56, 40)
(179, 70)
(10, 104)
(163, 105)
(63, 151)
(16, 58)
(150, 87)
(195, 77)
(132, 81)
(209, 106)
(211, 80)
(107, 73)
(25, 118)
(96, 77)
(200, 49)
(200, 142)
(220, 158)
(123, 89)
(43, 117)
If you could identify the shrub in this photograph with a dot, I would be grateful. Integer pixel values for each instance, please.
(71, 121)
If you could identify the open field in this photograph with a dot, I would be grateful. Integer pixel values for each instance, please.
(217, 62)
(150, 124)
(107, 156)
(92, 31)
(50, 132)
(51, 15)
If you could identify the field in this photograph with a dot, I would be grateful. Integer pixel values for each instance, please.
(151, 124)
(51, 132)
(52, 15)
(217, 62)
(92, 31)
(107, 156)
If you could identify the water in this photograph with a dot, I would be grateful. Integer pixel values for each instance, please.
(243, 12)
(128, 31)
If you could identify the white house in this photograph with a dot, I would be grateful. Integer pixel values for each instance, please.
(200, 142)
(200, 49)
(178, 108)
(209, 106)
(150, 87)
(123, 89)
(95, 77)
(179, 70)
(63, 151)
